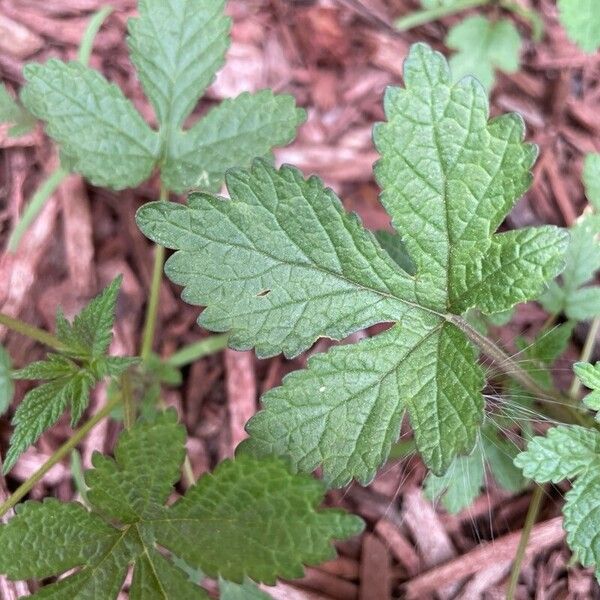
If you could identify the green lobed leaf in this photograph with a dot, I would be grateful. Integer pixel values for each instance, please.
(177, 47)
(281, 264)
(100, 133)
(571, 452)
(249, 518)
(581, 20)
(7, 388)
(589, 375)
(482, 47)
(230, 135)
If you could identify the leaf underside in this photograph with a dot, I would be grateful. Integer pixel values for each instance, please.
(282, 264)
(249, 518)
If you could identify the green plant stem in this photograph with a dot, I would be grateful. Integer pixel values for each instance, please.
(127, 398)
(32, 332)
(530, 519)
(35, 205)
(192, 352)
(57, 456)
(531, 16)
(87, 41)
(420, 17)
(152, 308)
(586, 354)
(559, 407)
(51, 183)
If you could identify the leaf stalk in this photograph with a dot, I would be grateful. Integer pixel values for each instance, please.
(32, 332)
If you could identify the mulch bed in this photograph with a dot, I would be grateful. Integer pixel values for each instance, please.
(336, 57)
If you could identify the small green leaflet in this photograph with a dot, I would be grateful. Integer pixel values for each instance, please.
(589, 375)
(581, 20)
(571, 452)
(482, 46)
(282, 264)
(7, 387)
(463, 481)
(249, 518)
(70, 375)
(12, 112)
(573, 295)
(177, 47)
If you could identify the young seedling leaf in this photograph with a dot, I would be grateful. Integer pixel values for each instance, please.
(573, 295)
(230, 135)
(100, 133)
(571, 452)
(483, 46)
(281, 264)
(589, 375)
(71, 375)
(249, 518)
(7, 387)
(581, 20)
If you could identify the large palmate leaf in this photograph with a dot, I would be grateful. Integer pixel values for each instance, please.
(482, 47)
(249, 518)
(70, 375)
(571, 453)
(177, 46)
(281, 264)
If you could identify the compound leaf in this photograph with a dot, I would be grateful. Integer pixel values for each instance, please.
(281, 264)
(571, 452)
(581, 20)
(230, 135)
(177, 47)
(70, 375)
(482, 47)
(101, 134)
(250, 518)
